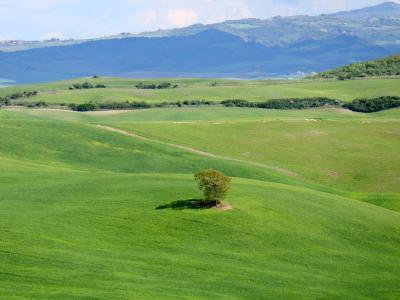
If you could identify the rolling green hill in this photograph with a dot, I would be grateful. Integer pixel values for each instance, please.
(78, 215)
(120, 90)
(388, 66)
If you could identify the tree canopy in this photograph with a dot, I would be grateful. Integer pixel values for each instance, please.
(214, 184)
(388, 66)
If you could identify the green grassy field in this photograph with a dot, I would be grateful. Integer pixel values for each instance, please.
(344, 151)
(78, 214)
(120, 90)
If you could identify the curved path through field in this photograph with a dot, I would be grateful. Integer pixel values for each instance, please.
(197, 151)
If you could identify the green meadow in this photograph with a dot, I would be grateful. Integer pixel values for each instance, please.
(315, 197)
(120, 90)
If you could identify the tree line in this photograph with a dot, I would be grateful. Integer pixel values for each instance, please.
(364, 105)
(152, 86)
(373, 104)
(358, 105)
(289, 103)
(86, 85)
(389, 66)
(6, 100)
(294, 103)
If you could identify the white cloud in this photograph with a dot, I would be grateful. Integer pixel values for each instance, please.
(147, 16)
(33, 19)
(185, 12)
(182, 17)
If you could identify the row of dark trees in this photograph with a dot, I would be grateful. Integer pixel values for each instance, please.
(152, 86)
(272, 104)
(92, 106)
(6, 100)
(358, 105)
(373, 105)
(86, 85)
(294, 103)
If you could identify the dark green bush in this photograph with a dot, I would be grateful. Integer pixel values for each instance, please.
(152, 86)
(373, 105)
(84, 107)
(6, 100)
(86, 85)
(124, 105)
(295, 103)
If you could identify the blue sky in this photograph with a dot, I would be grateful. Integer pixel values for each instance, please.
(43, 19)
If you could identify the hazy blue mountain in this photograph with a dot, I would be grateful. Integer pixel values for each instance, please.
(386, 9)
(244, 48)
(378, 25)
(209, 53)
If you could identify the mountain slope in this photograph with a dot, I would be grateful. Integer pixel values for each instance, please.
(210, 53)
(381, 10)
(250, 48)
(377, 24)
(197, 53)
(387, 66)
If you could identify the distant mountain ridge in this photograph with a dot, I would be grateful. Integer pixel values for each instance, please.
(251, 48)
(379, 24)
(381, 10)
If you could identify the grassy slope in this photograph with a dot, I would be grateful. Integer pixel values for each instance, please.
(78, 221)
(98, 236)
(352, 152)
(196, 89)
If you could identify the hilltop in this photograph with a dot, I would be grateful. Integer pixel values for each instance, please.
(378, 11)
(388, 66)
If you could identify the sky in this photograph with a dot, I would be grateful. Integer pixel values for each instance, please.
(45, 19)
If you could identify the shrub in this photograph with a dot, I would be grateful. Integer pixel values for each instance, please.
(124, 105)
(143, 86)
(6, 100)
(152, 86)
(237, 103)
(373, 105)
(164, 85)
(86, 85)
(84, 107)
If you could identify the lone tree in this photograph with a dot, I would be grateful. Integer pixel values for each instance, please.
(214, 184)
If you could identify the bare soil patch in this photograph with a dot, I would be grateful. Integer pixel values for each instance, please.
(223, 206)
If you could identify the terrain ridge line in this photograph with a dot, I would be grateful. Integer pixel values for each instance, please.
(197, 151)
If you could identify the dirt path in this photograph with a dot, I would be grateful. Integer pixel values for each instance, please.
(196, 151)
